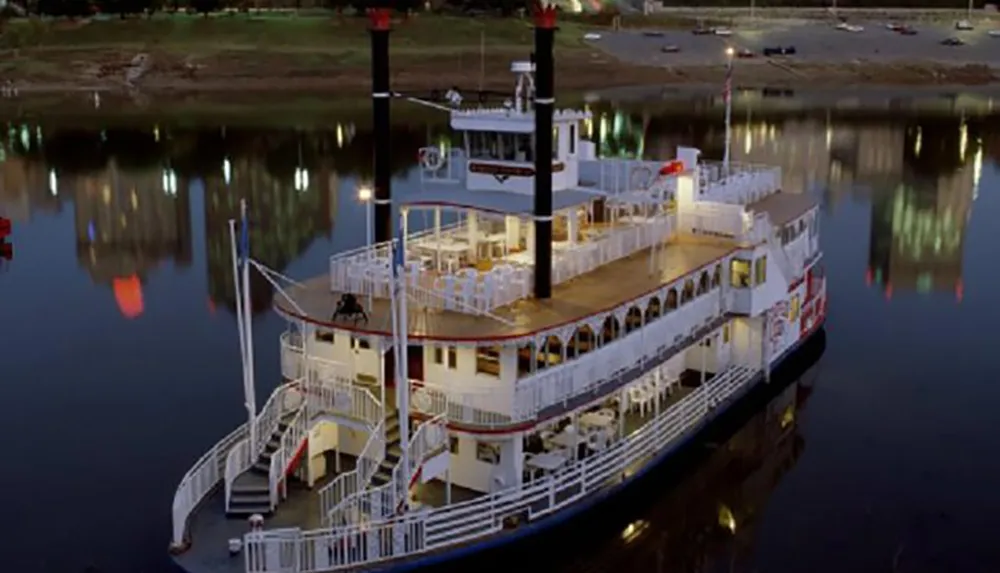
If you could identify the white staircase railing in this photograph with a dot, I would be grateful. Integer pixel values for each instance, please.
(242, 457)
(342, 398)
(199, 481)
(282, 459)
(334, 494)
(373, 504)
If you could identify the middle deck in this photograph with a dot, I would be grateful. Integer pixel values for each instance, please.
(591, 293)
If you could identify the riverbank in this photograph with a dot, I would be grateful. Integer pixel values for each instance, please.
(240, 53)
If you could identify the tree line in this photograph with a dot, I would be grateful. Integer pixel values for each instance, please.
(125, 8)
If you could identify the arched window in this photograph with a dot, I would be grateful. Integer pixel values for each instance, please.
(633, 320)
(688, 292)
(717, 276)
(583, 341)
(671, 299)
(611, 330)
(703, 283)
(653, 309)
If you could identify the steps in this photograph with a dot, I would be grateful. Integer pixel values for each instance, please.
(251, 492)
(393, 452)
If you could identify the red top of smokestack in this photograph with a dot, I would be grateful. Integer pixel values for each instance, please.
(545, 15)
(379, 18)
(4, 227)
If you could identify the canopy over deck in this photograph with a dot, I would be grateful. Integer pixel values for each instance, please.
(783, 208)
(433, 194)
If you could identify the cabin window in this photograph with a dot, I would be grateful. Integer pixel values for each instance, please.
(360, 343)
(488, 360)
(794, 309)
(739, 273)
(488, 452)
(324, 335)
(760, 270)
(725, 334)
(449, 353)
(572, 139)
(453, 444)
(483, 145)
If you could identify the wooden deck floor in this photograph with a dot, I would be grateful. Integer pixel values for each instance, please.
(597, 291)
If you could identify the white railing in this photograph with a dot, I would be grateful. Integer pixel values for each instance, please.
(777, 250)
(705, 218)
(620, 176)
(617, 243)
(434, 529)
(292, 355)
(587, 373)
(744, 183)
(344, 398)
(199, 481)
(238, 460)
(282, 458)
(473, 407)
(389, 499)
(332, 496)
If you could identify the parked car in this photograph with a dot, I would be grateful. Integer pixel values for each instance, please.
(591, 36)
(670, 49)
(964, 25)
(907, 31)
(745, 53)
(893, 26)
(845, 27)
(779, 51)
(701, 31)
(724, 32)
(952, 42)
(994, 33)
(653, 34)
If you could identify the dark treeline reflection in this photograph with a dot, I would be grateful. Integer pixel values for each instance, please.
(131, 188)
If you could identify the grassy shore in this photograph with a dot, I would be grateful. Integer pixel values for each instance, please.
(235, 53)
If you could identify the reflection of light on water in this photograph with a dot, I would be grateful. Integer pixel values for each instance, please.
(91, 232)
(633, 530)
(977, 171)
(727, 519)
(169, 182)
(788, 416)
(918, 142)
(963, 138)
(53, 183)
(227, 170)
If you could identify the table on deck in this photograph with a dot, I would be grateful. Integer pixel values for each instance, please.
(599, 419)
(547, 461)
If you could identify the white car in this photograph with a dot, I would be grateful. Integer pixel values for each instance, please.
(994, 33)
(844, 26)
(725, 32)
(591, 36)
(964, 25)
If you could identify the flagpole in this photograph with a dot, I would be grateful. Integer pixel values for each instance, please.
(729, 107)
(402, 362)
(239, 318)
(251, 397)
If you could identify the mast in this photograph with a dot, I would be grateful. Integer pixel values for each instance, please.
(380, 26)
(545, 31)
(241, 262)
(401, 346)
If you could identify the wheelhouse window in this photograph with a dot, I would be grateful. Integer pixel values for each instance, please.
(360, 343)
(501, 146)
(324, 335)
(446, 355)
(488, 360)
(572, 139)
(760, 270)
(739, 273)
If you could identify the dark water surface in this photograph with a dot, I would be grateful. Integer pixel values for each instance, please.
(119, 364)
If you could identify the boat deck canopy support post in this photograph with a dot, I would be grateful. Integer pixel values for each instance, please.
(379, 18)
(545, 30)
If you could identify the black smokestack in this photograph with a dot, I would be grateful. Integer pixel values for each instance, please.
(545, 31)
(380, 24)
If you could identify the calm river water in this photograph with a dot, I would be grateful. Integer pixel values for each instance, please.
(119, 364)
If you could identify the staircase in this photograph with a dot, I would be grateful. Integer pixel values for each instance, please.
(251, 491)
(393, 452)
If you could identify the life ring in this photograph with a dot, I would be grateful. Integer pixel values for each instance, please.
(431, 158)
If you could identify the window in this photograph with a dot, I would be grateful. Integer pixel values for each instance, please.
(488, 360)
(453, 444)
(760, 271)
(324, 336)
(452, 354)
(360, 343)
(725, 334)
(488, 452)
(794, 309)
(572, 139)
(739, 273)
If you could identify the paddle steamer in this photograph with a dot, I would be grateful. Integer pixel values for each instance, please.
(558, 326)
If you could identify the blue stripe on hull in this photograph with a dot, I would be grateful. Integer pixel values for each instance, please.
(564, 515)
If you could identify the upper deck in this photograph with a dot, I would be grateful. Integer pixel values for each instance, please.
(592, 293)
